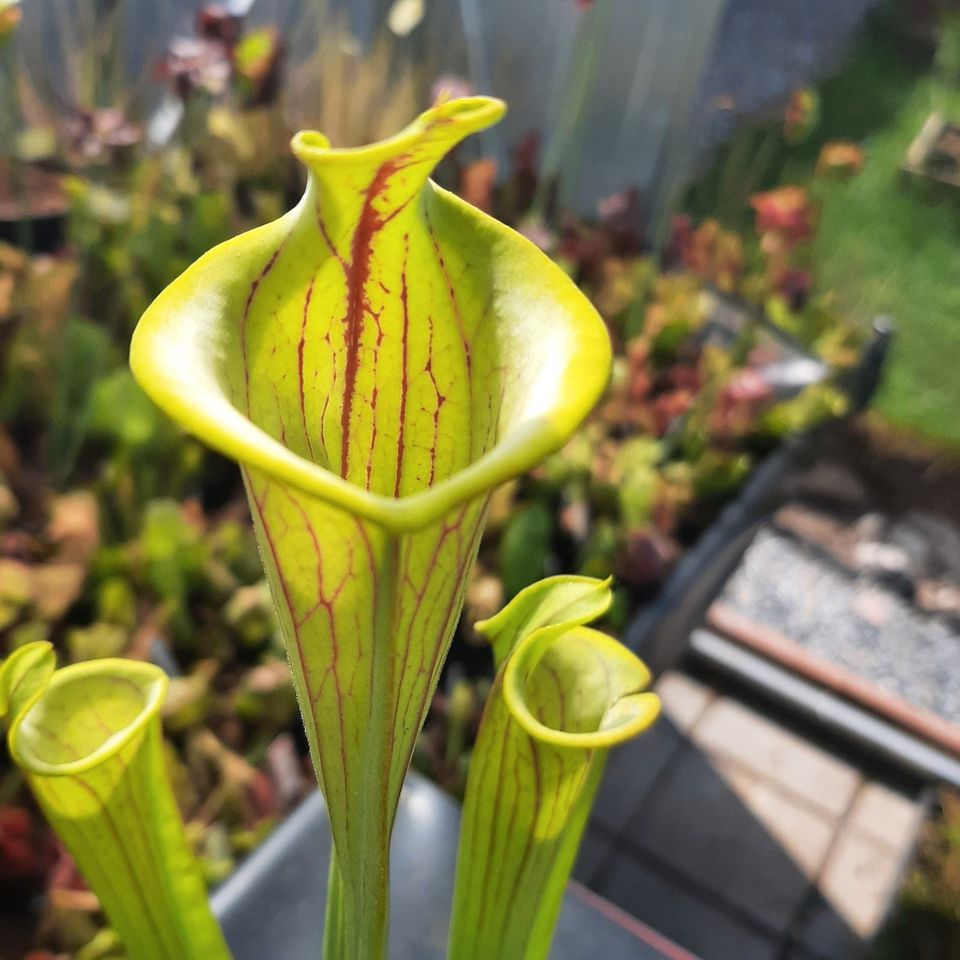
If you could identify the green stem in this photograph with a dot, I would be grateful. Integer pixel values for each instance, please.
(362, 907)
(334, 944)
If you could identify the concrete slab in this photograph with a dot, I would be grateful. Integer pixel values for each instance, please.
(632, 769)
(853, 892)
(733, 837)
(805, 836)
(694, 922)
(684, 699)
(732, 729)
(595, 847)
(736, 834)
(886, 815)
(799, 953)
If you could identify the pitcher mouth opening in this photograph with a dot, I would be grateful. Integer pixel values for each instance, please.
(63, 733)
(199, 359)
(621, 715)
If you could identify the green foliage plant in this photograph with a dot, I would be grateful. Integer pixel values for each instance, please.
(378, 360)
(564, 694)
(89, 739)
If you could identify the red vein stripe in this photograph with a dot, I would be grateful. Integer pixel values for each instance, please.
(404, 377)
(246, 314)
(300, 349)
(369, 223)
(305, 670)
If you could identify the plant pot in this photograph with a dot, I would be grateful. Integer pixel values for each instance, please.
(272, 906)
(33, 208)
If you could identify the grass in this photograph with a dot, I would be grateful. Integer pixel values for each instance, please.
(883, 245)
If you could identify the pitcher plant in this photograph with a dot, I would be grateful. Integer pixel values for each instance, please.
(377, 360)
(88, 737)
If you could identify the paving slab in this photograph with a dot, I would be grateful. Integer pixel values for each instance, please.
(803, 834)
(596, 847)
(799, 953)
(631, 772)
(742, 835)
(887, 815)
(684, 699)
(693, 921)
(853, 893)
(723, 838)
(730, 728)
(633, 768)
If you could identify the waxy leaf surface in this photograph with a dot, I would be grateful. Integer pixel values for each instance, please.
(377, 360)
(564, 694)
(89, 739)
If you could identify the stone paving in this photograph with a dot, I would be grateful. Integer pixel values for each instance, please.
(744, 837)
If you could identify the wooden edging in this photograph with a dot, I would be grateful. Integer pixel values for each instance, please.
(788, 653)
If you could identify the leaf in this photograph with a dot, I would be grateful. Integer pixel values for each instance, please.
(49, 589)
(10, 17)
(119, 411)
(378, 360)
(708, 251)
(801, 115)
(74, 525)
(564, 694)
(256, 63)
(525, 547)
(88, 738)
(56, 587)
(24, 675)
(97, 641)
(81, 358)
(636, 479)
(172, 548)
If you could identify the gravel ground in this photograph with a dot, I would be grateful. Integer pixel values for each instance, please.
(852, 622)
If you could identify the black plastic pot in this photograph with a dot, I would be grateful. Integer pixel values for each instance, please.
(271, 908)
(33, 208)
